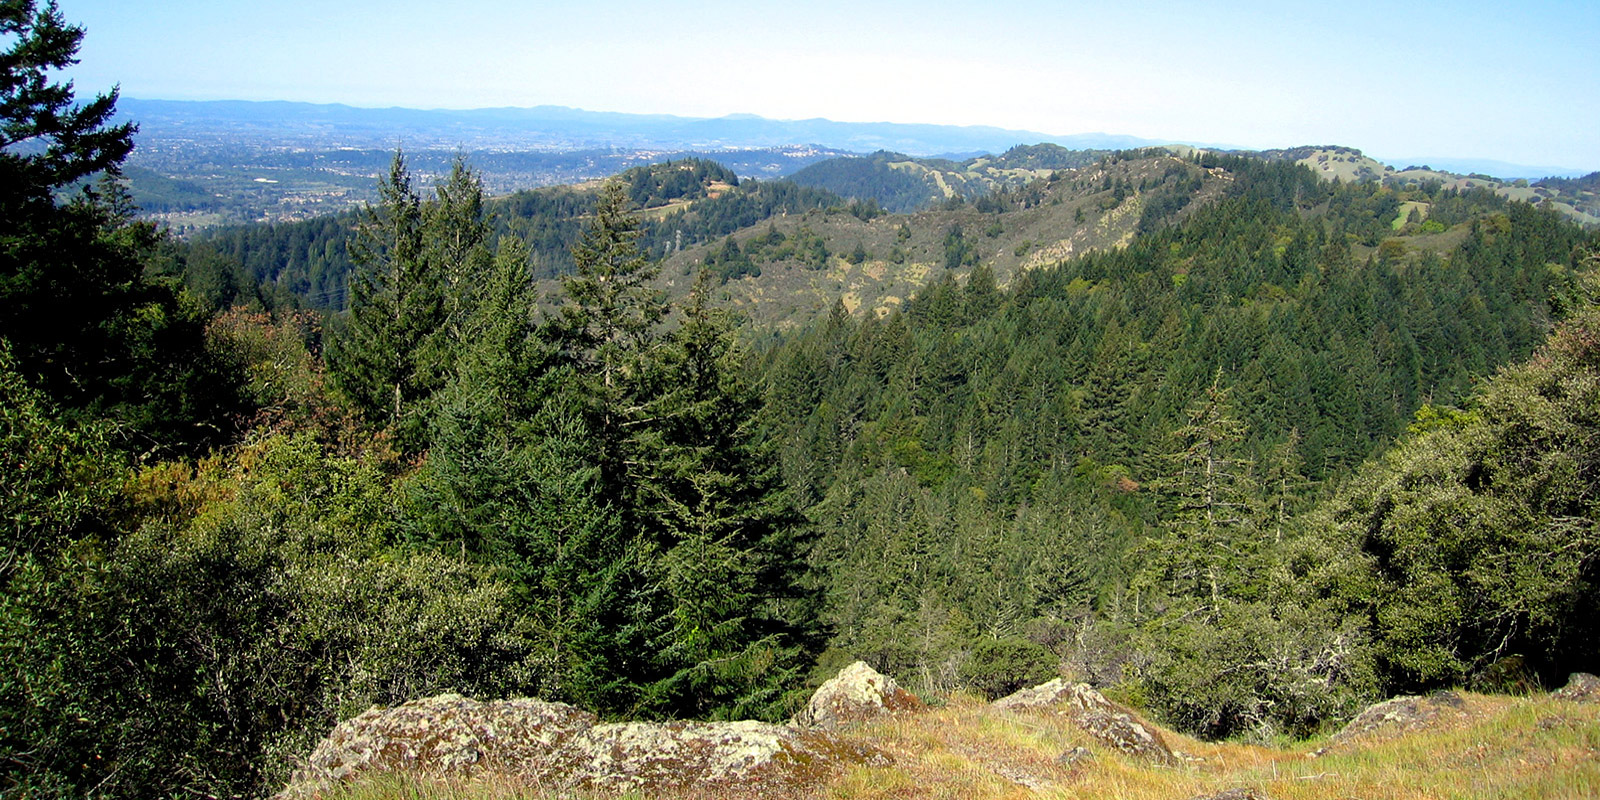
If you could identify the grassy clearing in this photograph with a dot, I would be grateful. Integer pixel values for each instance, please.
(1405, 213)
(1501, 747)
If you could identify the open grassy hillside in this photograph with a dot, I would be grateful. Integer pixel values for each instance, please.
(1577, 199)
(876, 263)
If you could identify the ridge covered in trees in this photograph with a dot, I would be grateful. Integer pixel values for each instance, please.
(308, 263)
(900, 183)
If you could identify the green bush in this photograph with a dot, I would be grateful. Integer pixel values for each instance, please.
(204, 654)
(1252, 669)
(998, 667)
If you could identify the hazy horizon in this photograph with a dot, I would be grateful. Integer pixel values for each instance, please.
(1459, 80)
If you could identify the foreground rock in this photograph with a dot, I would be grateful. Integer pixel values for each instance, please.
(858, 693)
(446, 735)
(714, 759)
(1242, 793)
(560, 748)
(1107, 722)
(1581, 688)
(1399, 715)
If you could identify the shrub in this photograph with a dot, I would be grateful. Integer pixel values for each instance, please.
(998, 667)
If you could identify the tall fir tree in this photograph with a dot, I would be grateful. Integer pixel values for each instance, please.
(1212, 534)
(739, 617)
(510, 480)
(85, 322)
(456, 242)
(421, 265)
(396, 306)
(609, 327)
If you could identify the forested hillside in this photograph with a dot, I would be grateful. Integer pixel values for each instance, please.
(1016, 475)
(1244, 447)
(692, 201)
(900, 183)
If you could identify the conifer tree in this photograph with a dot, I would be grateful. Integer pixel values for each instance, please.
(1211, 533)
(510, 479)
(608, 325)
(46, 141)
(456, 243)
(396, 307)
(421, 266)
(733, 567)
(85, 322)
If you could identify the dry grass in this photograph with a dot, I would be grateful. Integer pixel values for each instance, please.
(1499, 747)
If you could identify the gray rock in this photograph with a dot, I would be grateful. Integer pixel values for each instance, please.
(1243, 793)
(443, 735)
(856, 694)
(724, 758)
(1581, 688)
(1074, 758)
(1107, 722)
(1397, 715)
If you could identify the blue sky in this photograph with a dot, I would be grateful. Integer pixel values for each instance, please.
(1517, 82)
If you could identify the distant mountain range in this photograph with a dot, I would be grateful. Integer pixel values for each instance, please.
(563, 128)
(558, 127)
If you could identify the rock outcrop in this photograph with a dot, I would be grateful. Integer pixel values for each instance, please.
(1581, 688)
(1398, 715)
(720, 759)
(445, 735)
(558, 747)
(856, 694)
(1242, 793)
(1109, 723)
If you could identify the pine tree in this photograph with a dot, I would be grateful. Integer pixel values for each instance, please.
(1210, 539)
(86, 324)
(733, 562)
(609, 326)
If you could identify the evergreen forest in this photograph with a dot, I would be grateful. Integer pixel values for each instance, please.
(1285, 452)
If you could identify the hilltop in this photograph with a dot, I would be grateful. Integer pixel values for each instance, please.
(901, 183)
(1461, 745)
(1026, 220)
(1576, 198)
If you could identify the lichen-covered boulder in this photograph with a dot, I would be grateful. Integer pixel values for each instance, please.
(1109, 723)
(1581, 688)
(1398, 715)
(444, 735)
(856, 694)
(720, 759)
(1242, 793)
